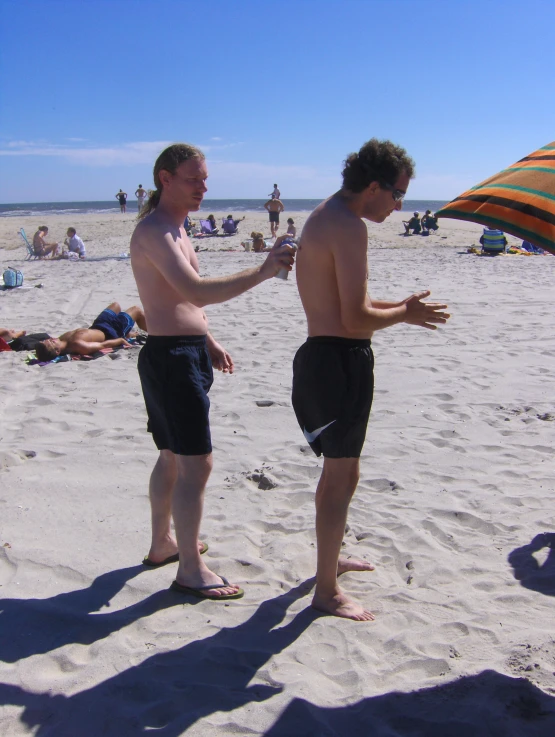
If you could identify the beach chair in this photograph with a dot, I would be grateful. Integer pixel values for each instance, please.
(493, 241)
(206, 228)
(30, 250)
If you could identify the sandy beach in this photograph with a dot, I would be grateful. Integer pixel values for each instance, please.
(454, 508)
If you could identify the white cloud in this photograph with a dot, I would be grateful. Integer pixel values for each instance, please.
(216, 138)
(140, 152)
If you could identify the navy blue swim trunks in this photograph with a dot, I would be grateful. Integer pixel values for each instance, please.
(274, 217)
(114, 325)
(333, 387)
(176, 375)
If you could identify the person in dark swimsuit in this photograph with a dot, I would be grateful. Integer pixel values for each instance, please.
(333, 381)
(122, 199)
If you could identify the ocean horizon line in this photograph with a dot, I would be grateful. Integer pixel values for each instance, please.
(245, 204)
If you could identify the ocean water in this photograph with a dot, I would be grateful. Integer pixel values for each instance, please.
(25, 209)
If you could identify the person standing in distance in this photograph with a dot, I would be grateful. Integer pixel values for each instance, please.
(175, 364)
(333, 371)
(121, 197)
(274, 206)
(140, 194)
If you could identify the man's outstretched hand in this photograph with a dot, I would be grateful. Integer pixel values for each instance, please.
(279, 257)
(425, 314)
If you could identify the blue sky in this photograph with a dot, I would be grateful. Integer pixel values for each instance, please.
(92, 90)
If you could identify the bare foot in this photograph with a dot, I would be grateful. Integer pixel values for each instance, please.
(339, 605)
(352, 564)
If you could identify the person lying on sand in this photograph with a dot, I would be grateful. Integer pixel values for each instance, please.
(109, 330)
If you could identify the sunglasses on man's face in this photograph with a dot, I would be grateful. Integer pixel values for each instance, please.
(397, 194)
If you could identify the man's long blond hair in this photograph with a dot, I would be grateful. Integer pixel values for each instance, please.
(169, 159)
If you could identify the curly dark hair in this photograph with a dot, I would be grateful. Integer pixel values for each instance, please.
(377, 161)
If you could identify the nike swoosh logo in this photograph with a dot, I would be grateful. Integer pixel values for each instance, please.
(311, 436)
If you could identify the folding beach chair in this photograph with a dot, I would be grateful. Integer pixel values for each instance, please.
(30, 250)
(206, 227)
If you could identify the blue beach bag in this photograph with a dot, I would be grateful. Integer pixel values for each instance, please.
(12, 278)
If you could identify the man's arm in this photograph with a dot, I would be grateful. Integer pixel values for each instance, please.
(167, 256)
(358, 312)
(266, 205)
(85, 348)
(221, 359)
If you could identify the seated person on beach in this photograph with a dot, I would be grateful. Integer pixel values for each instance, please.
(229, 225)
(531, 248)
(429, 221)
(258, 242)
(40, 246)
(109, 330)
(74, 243)
(212, 220)
(493, 241)
(413, 224)
(188, 225)
(291, 230)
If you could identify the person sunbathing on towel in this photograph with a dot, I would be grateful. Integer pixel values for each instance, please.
(109, 330)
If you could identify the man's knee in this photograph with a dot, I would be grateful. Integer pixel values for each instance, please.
(115, 307)
(196, 469)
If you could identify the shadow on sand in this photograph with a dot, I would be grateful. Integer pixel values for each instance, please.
(485, 705)
(166, 693)
(528, 571)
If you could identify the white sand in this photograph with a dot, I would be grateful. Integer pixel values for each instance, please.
(456, 494)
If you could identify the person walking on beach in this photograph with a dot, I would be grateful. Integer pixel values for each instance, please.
(122, 198)
(333, 370)
(175, 365)
(140, 194)
(274, 207)
(275, 192)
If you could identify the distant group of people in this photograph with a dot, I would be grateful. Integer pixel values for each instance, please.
(140, 193)
(421, 226)
(43, 248)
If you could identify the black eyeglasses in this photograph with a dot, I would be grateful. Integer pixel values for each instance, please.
(397, 194)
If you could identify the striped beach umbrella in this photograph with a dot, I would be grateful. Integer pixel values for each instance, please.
(519, 200)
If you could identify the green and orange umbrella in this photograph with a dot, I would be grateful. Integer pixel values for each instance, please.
(519, 200)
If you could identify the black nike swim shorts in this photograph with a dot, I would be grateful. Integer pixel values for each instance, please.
(176, 375)
(333, 387)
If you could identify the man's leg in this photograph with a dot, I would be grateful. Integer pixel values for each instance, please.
(335, 489)
(138, 316)
(188, 501)
(115, 307)
(161, 488)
